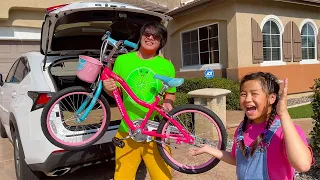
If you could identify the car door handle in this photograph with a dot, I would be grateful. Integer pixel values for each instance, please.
(14, 94)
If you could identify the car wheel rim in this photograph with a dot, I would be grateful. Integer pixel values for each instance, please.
(17, 157)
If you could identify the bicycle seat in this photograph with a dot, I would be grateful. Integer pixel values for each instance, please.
(171, 82)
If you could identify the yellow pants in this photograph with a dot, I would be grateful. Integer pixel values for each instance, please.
(129, 157)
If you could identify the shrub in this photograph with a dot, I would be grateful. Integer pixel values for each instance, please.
(315, 133)
(191, 84)
(182, 98)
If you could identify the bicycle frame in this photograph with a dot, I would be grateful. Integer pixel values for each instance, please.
(106, 74)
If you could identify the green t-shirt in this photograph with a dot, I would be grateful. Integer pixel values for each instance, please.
(138, 73)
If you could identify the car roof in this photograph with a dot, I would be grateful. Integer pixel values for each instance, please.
(35, 58)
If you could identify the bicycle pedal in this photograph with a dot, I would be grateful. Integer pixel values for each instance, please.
(118, 142)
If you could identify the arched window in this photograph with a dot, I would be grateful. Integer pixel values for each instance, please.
(271, 41)
(308, 42)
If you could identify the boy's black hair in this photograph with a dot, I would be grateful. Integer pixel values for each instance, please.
(159, 29)
(270, 85)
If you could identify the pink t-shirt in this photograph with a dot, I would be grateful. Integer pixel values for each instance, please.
(279, 167)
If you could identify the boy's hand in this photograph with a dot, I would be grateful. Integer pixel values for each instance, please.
(168, 101)
(109, 85)
(167, 106)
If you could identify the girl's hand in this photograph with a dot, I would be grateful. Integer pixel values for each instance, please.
(282, 103)
(196, 151)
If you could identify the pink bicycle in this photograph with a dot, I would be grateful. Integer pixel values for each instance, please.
(76, 117)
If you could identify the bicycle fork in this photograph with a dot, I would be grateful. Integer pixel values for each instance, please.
(91, 105)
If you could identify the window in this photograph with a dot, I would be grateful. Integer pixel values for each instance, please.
(65, 68)
(308, 40)
(271, 41)
(11, 72)
(201, 46)
(18, 71)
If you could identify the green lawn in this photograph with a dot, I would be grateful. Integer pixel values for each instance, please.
(304, 111)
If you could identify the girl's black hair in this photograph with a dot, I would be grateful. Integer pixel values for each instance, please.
(270, 85)
(159, 29)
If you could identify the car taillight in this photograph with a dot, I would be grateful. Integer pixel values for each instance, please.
(39, 99)
(59, 151)
(52, 8)
(42, 99)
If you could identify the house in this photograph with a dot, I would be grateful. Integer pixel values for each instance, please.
(232, 37)
(235, 37)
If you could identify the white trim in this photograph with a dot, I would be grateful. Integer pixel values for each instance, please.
(309, 61)
(181, 47)
(273, 63)
(314, 26)
(274, 19)
(315, 30)
(278, 22)
(20, 33)
(201, 67)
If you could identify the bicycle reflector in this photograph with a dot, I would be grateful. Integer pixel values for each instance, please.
(52, 8)
(39, 99)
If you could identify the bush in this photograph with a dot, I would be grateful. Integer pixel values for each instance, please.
(315, 133)
(191, 84)
(182, 98)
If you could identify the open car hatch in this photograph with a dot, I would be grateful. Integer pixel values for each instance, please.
(77, 28)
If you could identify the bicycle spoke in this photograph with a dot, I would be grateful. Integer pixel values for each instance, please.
(63, 122)
(202, 128)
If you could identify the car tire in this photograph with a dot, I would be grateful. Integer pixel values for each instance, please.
(23, 171)
(3, 133)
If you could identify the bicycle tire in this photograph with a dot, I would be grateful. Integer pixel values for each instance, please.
(218, 122)
(54, 99)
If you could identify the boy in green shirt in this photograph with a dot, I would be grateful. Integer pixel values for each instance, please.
(138, 69)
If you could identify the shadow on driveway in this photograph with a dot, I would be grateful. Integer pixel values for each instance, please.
(103, 171)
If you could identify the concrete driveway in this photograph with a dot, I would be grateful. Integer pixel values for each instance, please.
(105, 171)
(98, 172)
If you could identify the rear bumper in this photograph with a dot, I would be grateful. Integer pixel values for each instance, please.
(57, 159)
(75, 159)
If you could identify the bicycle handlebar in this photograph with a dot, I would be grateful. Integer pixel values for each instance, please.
(130, 44)
(114, 42)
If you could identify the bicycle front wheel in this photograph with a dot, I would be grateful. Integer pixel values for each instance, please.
(204, 126)
(60, 119)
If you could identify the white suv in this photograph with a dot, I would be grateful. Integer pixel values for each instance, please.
(68, 31)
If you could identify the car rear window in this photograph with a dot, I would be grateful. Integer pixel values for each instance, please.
(66, 68)
(83, 30)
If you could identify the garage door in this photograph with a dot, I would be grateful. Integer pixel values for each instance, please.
(11, 50)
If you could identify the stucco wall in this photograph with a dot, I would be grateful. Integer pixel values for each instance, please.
(258, 10)
(234, 17)
(24, 18)
(301, 76)
(236, 47)
(7, 5)
(221, 13)
(30, 13)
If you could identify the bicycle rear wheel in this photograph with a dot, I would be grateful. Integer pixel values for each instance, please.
(59, 119)
(206, 128)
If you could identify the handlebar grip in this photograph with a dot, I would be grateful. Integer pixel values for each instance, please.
(130, 44)
(112, 42)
